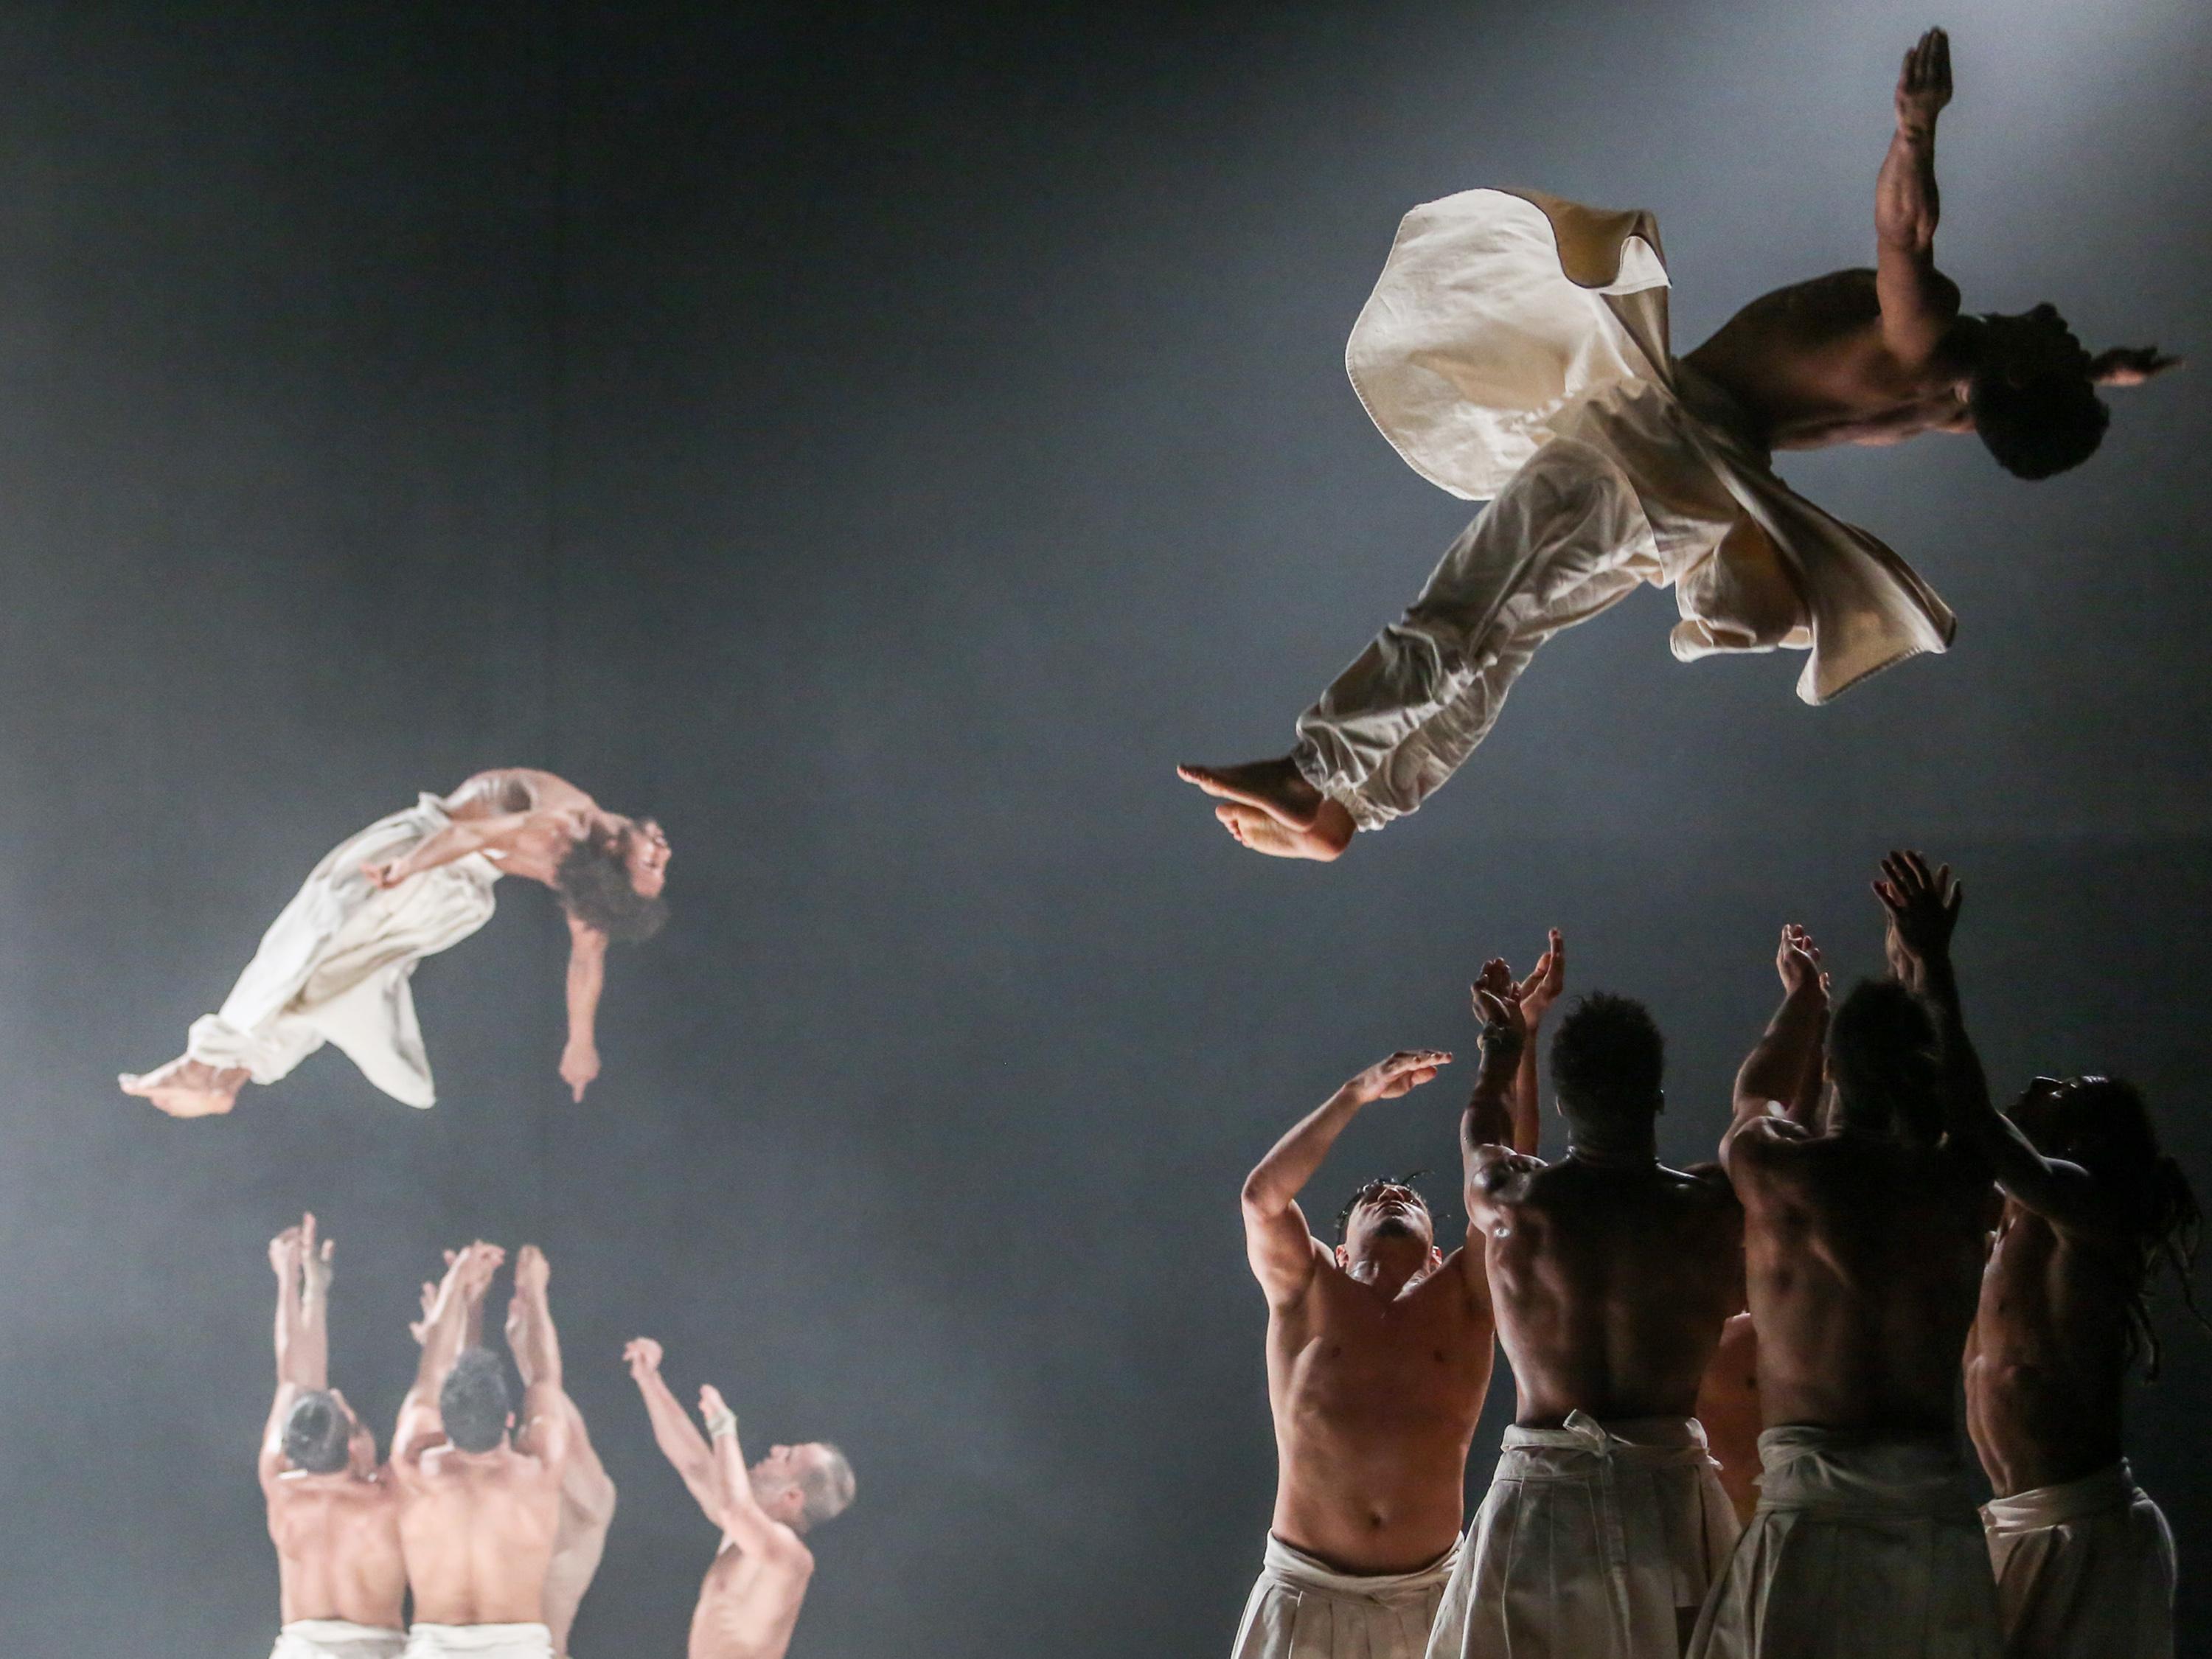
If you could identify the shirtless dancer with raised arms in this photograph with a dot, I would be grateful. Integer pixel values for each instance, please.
(480, 1510)
(2092, 1209)
(750, 1602)
(1863, 1242)
(1610, 1276)
(1378, 1358)
(334, 966)
(1516, 350)
(333, 1511)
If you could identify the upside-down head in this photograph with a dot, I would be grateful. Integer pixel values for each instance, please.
(612, 879)
(2032, 395)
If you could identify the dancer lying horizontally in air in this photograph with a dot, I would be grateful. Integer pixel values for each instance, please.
(2084, 1559)
(479, 1502)
(1516, 350)
(1379, 1353)
(750, 1602)
(1611, 1277)
(333, 1511)
(334, 966)
(1863, 1239)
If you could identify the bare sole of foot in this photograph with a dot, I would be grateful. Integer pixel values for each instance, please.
(1274, 787)
(186, 1087)
(1264, 833)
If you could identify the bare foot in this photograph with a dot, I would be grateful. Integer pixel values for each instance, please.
(188, 1088)
(1275, 787)
(1330, 834)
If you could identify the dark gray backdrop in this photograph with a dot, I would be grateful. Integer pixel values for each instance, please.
(881, 444)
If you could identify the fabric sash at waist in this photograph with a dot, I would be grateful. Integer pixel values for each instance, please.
(2113, 1487)
(1833, 1472)
(1647, 1442)
(341, 1630)
(1295, 1569)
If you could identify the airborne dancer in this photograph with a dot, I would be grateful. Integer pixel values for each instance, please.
(1516, 350)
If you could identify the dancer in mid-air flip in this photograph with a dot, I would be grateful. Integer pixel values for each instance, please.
(1516, 350)
(334, 966)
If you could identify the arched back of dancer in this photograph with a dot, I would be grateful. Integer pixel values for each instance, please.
(2093, 1209)
(333, 1511)
(1863, 1241)
(335, 966)
(1379, 1353)
(750, 1602)
(1516, 350)
(1610, 1276)
(480, 1501)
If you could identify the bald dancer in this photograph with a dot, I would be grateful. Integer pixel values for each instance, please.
(336, 965)
(1379, 1354)
(333, 1511)
(750, 1602)
(1863, 1241)
(480, 1504)
(1611, 1277)
(2093, 1209)
(1516, 350)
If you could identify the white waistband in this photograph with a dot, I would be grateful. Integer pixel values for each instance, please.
(1294, 1566)
(2113, 1487)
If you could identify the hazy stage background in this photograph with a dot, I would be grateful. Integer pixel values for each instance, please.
(881, 444)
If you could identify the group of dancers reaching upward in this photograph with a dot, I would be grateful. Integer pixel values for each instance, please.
(1874, 1231)
(494, 1524)
(1872, 1225)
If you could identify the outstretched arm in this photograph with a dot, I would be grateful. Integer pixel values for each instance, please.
(536, 1346)
(468, 1276)
(1772, 1083)
(284, 1256)
(1923, 906)
(1917, 304)
(587, 977)
(753, 1529)
(1538, 993)
(1485, 1127)
(673, 1430)
(2129, 365)
(1277, 1241)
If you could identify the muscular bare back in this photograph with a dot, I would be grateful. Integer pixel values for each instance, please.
(2049, 1352)
(479, 1530)
(551, 816)
(1376, 1398)
(750, 1603)
(1611, 1284)
(337, 1547)
(1864, 1260)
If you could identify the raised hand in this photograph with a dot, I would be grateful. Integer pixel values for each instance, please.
(1923, 85)
(532, 1272)
(1497, 1004)
(472, 1270)
(1545, 981)
(642, 1355)
(1922, 908)
(2129, 365)
(314, 1258)
(285, 1252)
(1797, 961)
(1404, 1072)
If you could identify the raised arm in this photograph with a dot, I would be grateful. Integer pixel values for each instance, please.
(1922, 906)
(1487, 1154)
(587, 977)
(1277, 1241)
(1918, 303)
(1538, 993)
(1772, 1083)
(743, 1520)
(468, 1276)
(284, 1256)
(536, 1346)
(673, 1430)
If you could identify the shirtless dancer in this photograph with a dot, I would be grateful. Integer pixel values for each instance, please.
(480, 1512)
(1610, 1276)
(334, 966)
(1378, 1358)
(750, 1602)
(2084, 1559)
(1864, 1244)
(333, 1512)
(1516, 350)
(588, 1491)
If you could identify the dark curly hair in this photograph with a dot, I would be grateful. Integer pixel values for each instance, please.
(2040, 426)
(1883, 1056)
(473, 1403)
(595, 887)
(1368, 1191)
(1609, 1063)
(317, 1433)
(2107, 1131)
